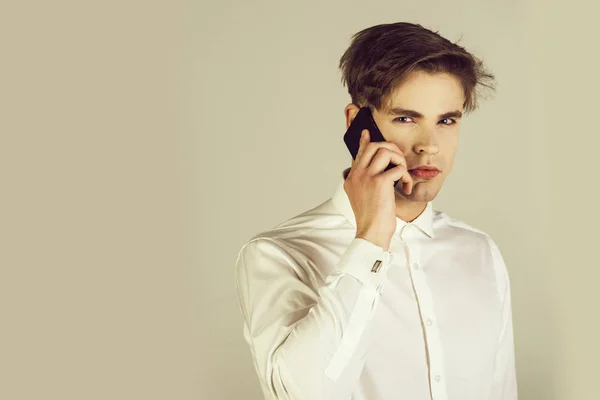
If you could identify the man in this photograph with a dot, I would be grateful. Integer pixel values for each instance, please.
(373, 294)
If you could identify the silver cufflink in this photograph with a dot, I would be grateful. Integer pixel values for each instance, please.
(376, 266)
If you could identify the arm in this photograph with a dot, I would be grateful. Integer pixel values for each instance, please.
(308, 343)
(505, 377)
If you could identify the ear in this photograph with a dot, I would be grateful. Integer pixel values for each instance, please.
(350, 112)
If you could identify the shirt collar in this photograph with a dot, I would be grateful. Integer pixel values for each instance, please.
(424, 221)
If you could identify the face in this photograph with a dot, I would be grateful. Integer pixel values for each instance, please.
(422, 117)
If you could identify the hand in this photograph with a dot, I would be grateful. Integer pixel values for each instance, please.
(370, 189)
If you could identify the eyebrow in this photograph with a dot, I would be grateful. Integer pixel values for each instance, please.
(417, 115)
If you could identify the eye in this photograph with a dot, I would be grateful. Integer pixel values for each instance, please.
(403, 120)
(448, 121)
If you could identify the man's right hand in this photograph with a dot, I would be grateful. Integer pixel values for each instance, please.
(371, 189)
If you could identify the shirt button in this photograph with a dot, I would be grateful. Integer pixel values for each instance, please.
(415, 265)
(438, 378)
(429, 322)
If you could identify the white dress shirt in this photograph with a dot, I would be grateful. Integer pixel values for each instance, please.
(329, 316)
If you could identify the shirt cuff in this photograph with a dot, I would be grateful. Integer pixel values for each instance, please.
(365, 261)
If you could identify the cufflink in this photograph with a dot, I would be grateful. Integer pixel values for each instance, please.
(376, 266)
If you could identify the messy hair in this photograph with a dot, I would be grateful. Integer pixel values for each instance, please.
(379, 57)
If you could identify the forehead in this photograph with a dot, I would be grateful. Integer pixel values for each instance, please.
(428, 93)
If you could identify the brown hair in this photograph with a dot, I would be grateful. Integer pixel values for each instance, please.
(379, 57)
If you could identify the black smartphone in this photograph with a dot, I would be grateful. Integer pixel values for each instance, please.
(363, 120)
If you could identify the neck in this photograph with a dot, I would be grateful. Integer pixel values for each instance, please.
(407, 210)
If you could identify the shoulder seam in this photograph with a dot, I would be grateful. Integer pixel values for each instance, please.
(464, 225)
(256, 239)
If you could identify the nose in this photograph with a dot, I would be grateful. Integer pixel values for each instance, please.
(426, 142)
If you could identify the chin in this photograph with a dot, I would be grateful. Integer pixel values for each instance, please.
(422, 193)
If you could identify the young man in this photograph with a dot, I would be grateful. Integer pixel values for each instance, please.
(373, 295)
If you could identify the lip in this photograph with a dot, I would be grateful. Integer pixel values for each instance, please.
(425, 168)
(425, 172)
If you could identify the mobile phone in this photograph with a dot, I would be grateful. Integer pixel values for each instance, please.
(363, 120)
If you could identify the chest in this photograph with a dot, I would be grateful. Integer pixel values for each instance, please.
(439, 315)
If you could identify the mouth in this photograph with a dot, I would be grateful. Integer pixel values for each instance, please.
(425, 172)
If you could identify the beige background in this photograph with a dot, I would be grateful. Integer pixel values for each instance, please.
(141, 143)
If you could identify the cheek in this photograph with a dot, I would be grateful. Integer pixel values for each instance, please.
(448, 149)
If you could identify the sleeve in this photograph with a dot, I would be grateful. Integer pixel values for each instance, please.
(308, 343)
(504, 385)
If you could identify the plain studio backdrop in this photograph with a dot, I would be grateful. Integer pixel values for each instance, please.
(142, 143)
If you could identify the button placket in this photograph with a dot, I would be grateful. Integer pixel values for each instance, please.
(432, 337)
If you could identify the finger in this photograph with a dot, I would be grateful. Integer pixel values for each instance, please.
(399, 173)
(364, 140)
(383, 158)
(371, 149)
